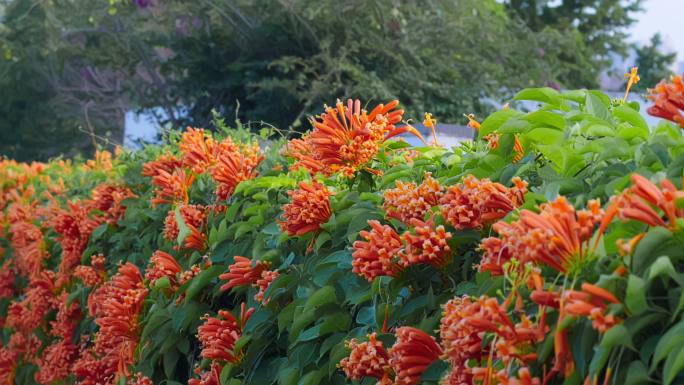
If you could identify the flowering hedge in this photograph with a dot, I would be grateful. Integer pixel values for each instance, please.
(547, 251)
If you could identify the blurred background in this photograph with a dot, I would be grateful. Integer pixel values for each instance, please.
(76, 74)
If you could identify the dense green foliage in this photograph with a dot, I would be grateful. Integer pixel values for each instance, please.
(654, 65)
(578, 144)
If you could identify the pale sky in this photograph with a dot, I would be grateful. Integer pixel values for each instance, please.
(666, 17)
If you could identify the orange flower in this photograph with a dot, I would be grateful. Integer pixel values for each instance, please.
(263, 283)
(408, 201)
(199, 150)
(640, 202)
(167, 163)
(163, 265)
(194, 217)
(591, 302)
(8, 366)
(632, 79)
(209, 377)
(107, 199)
(140, 379)
(234, 165)
(476, 203)
(668, 100)
(7, 277)
(367, 359)
(430, 123)
(492, 140)
(55, 362)
(411, 354)
(426, 244)
(524, 377)
(308, 209)
(172, 187)
(241, 273)
(94, 274)
(218, 335)
(558, 236)
(345, 138)
(518, 149)
(375, 256)
(472, 123)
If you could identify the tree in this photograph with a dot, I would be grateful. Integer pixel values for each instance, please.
(598, 27)
(654, 65)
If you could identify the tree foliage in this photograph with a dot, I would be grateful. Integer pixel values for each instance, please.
(90, 61)
(654, 64)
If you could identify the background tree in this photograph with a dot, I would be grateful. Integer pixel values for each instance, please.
(598, 28)
(654, 64)
(267, 60)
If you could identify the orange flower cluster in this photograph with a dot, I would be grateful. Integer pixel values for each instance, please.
(218, 335)
(26, 239)
(407, 360)
(172, 187)
(228, 163)
(408, 201)
(478, 202)
(208, 377)
(242, 273)
(367, 359)
(375, 256)
(56, 360)
(557, 236)
(194, 217)
(426, 244)
(463, 328)
(166, 163)
(163, 265)
(93, 275)
(668, 99)
(345, 138)
(411, 354)
(117, 306)
(107, 198)
(640, 202)
(308, 209)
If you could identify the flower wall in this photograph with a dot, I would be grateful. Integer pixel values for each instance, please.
(548, 251)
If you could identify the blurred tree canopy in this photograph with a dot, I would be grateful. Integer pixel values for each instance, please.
(654, 64)
(70, 69)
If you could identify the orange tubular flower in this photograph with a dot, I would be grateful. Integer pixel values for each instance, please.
(163, 265)
(193, 215)
(375, 256)
(518, 149)
(632, 79)
(476, 203)
(640, 201)
(308, 209)
(167, 163)
(492, 140)
(172, 187)
(591, 302)
(408, 201)
(55, 362)
(199, 150)
(558, 236)
(345, 138)
(367, 359)
(263, 283)
(107, 199)
(427, 244)
(411, 354)
(668, 100)
(7, 277)
(94, 274)
(218, 336)
(472, 123)
(209, 377)
(430, 123)
(140, 379)
(234, 165)
(241, 273)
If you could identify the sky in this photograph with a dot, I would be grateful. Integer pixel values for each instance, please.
(664, 16)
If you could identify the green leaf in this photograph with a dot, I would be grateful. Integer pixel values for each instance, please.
(183, 229)
(435, 371)
(637, 374)
(636, 295)
(545, 95)
(672, 339)
(633, 117)
(202, 280)
(496, 120)
(673, 365)
(320, 297)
